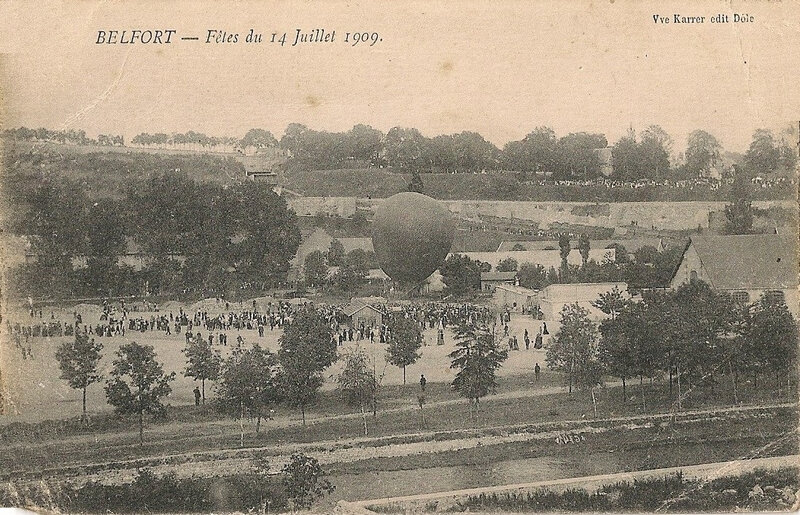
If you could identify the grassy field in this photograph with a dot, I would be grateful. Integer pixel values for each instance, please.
(104, 170)
(380, 183)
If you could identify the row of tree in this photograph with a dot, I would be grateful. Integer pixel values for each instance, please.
(75, 137)
(186, 235)
(649, 268)
(692, 335)
(634, 157)
(251, 380)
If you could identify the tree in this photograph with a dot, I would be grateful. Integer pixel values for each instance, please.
(270, 234)
(78, 361)
(305, 481)
(584, 247)
(358, 382)
(739, 213)
(416, 184)
(574, 350)
(772, 336)
(248, 383)
(535, 153)
(405, 340)
(315, 269)
(626, 158)
(616, 352)
(564, 247)
(406, 148)
(763, 156)
(138, 383)
(507, 265)
(702, 319)
(576, 155)
(364, 143)
(307, 348)
(202, 362)
(532, 276)
(702, 153)
(336, 253)
(654, 150)
(105, 232)
(461, 274)
(258, 138)
(477, 358)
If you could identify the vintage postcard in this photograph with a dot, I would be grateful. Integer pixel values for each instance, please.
(399, 257)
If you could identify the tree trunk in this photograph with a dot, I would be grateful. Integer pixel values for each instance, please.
(404, 374)
(712, 384)
(641, 389)
(203, 382)
(678, 373)
(258, 422)
(735, 392)
(241, 424)
(84, 417)
(624, 392)
(141, 428)
(670, 381)
(570, 382)
(364, 418)
(303, 414)
(594, 403)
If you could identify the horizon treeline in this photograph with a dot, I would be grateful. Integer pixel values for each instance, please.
(637, 156)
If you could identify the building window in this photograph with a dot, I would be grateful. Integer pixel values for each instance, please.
(775, 296)
(741, 297)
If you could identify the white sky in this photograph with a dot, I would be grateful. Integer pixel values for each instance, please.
(499, 68)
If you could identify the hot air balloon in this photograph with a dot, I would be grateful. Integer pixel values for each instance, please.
(412, 234)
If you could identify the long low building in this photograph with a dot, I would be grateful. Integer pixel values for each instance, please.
(546, 258)
(554, 297)
(631, 244)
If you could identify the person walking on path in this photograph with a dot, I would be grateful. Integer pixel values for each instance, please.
(422, 381)
(536, 371)
(196, 396)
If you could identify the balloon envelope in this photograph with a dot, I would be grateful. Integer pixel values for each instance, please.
(412, 234)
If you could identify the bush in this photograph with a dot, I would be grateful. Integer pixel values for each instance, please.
(151, 493)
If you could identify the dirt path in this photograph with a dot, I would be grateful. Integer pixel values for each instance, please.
(229, 461)
(706, 471)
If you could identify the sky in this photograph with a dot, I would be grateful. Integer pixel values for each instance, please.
(498, 68)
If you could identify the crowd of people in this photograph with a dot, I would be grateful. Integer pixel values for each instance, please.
(117, 319)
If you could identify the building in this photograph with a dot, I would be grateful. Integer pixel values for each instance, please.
(514, 298)
(744, 266)
(546, 258)
(554, 297)
(360, 313)
(490, 280)
(631, 245)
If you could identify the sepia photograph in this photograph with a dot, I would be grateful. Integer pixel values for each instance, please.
(416, 256)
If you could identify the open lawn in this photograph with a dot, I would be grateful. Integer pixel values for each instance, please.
(36, 392)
